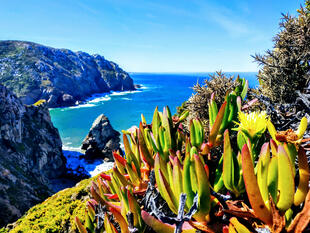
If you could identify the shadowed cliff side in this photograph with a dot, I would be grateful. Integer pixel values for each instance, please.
(30, 155)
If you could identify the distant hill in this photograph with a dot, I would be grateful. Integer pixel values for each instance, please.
(60, 76)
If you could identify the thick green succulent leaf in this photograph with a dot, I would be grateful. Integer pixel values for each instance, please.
(228, 163)
(177, 178)
(120, 220)
(144, 152)
(156, 122)
(291, 151)
(232, 107)
(240, 228)
(286, 185)
(133, 176)
(244, 90)
(167, 124)
(80, 226)
(262, 172)
(224, 123)
(218, 180)
(252, 188)
(135, 209)
(167, 193)
(304, 175)
(120, 177)
(204, 203)
(272, 131)
(160, 227)
(187, 187)
(216, 126)
(302, 127)
(108, 226)
(241, 140)
(184, 115)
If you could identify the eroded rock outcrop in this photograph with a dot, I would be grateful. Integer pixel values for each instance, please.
(30, 155)
(101, 140)
(60, 76)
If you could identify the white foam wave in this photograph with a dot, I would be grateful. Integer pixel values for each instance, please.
(126, 99)
(66, 147)
(117, 93)
(105, 166)
(97, 99)
(87, 105)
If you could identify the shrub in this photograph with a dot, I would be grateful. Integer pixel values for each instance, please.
(285, 68)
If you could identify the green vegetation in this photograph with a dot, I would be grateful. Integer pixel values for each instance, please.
(56, 214)
(285, 68)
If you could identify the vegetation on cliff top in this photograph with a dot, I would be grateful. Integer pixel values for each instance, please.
(56, 214)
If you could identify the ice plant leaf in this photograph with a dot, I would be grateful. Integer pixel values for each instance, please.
(155, 122)
(286, 185)
(272, 178)
(160, 227)
(157, 225)
(203, 190)
(225, 122)
(132, 175)
(177, 178)
(272, 131)
(147, 157)
(302, 127)
(240, 228)
(120, 220)
(167, 193)
(216, 126)
(108, 226)
(187, 187)
(228, 163)
(252, 189)
(262, 172)
(80, 226)
(304, 174)
(244, 90)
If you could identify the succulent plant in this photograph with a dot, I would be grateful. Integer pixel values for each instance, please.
(189, 188)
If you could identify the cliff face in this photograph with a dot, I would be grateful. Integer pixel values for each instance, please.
(30, 155)
(60, 76)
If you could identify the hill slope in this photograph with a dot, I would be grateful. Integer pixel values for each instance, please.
(61, 76)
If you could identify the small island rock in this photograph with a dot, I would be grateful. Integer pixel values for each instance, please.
(101, 140)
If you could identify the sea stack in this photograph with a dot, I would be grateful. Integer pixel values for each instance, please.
(101, 140)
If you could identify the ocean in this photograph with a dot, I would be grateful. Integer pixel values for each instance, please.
(124, 108)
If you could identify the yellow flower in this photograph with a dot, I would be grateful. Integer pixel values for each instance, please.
(252, 124)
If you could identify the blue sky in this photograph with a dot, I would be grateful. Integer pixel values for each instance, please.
(152, 36)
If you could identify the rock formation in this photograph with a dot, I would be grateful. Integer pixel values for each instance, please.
(59, 76)
(30, 155)
(101, 140)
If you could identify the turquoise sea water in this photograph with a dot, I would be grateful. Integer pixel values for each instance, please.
(124, 108)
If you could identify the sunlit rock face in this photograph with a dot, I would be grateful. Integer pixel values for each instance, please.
(60, 76)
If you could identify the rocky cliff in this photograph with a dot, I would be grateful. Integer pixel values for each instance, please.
(60, 76)
(30, 155)
(101, 140)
